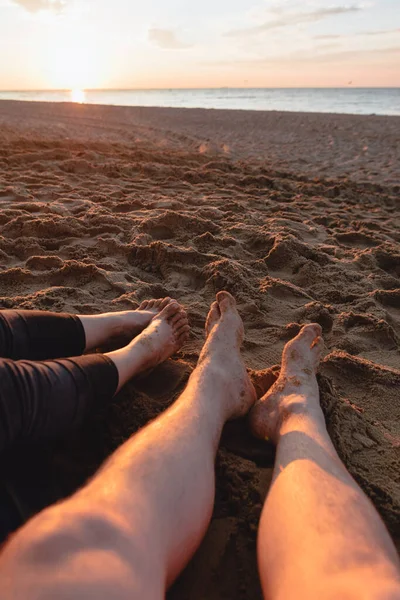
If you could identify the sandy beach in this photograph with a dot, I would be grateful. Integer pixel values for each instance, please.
(295, 214)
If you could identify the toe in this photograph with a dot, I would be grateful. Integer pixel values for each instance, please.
(184, 328)
(181, 323)
(169, 311)
(225, 301)
(151, 304)
(182, 333)
(180, 316)
(317, 347)
(213, 317)
(164, 303)
(144, 305)
(310, 332)
(183, 339)
(214, 313)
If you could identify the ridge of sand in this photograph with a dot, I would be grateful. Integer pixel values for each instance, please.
(99, 209)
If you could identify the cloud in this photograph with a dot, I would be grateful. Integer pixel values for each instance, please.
(358, 34)
(324, 57)
(329, 36)
(166, 39)
(34, 6)
(292, 18)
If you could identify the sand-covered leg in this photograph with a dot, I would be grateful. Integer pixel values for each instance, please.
(296, 390)
(221, 354)
(320, 537)
(133, 528)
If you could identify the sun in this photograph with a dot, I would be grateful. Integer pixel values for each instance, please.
(74, 64)
(78, 96)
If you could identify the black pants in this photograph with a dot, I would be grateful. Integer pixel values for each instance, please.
(42, 399)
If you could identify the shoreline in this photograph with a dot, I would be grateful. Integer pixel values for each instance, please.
(202, 108)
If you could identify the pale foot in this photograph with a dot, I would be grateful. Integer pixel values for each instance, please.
(125, 324)
(132, 322)
(225, 332)
(296, 390)
(167, 332)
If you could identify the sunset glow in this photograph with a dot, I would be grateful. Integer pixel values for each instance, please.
(82, 44)
(78, 96)
(72, 64)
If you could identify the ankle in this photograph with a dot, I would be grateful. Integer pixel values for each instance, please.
(201, 406)
(98, 329)
(212, 376)
(212, 382)
(297, 412)
(114, 324)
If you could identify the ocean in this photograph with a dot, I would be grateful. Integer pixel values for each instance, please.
(360, 101)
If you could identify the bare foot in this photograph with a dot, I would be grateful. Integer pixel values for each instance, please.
(165, 335)
(225, 332)
(296, 390)
(126, 324)
(132, 322)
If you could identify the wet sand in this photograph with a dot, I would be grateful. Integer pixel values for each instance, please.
(297, 215)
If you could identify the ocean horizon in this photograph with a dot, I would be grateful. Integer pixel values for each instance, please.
(349, 100)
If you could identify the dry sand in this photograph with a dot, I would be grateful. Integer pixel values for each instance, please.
(297, 215)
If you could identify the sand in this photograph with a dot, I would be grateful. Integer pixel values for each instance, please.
(297, 215)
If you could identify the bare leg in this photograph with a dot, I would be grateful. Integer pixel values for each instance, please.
(320, 537)
(100, 328)
(131, 530)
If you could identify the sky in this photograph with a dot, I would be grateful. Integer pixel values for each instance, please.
(129, 44)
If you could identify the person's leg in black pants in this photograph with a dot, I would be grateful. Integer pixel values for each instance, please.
(44, 400)
(40, 335)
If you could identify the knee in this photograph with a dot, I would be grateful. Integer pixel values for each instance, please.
(95, 546)
(53, 536)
